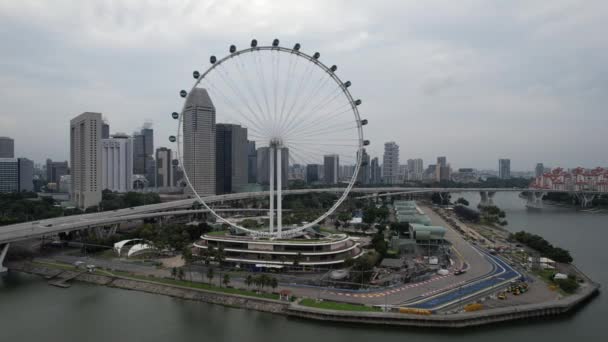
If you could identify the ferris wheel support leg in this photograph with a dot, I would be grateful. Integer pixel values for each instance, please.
(279, 191)
(271, 190)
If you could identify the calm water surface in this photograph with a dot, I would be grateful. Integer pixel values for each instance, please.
(30, 310)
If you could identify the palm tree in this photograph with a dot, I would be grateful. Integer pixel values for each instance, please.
(220, 256)
(274, 283)
(188, 258)
(226, 280)
(249, 280)
(180, 274)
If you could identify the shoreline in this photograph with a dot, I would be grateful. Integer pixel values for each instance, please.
(294, 310)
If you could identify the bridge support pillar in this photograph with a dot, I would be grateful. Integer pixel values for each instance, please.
(3, 251)
(484, 202)
(535, 199)
(585, 199)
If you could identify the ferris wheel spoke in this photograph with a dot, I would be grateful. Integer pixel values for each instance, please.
(322, 81)
(260, 72)
(237, 91)
(231, 104)
(323, 119)
(293, 122)
(242, 70)
(286, 93)
(290, 115)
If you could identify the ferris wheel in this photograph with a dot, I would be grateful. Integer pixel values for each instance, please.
(294, 108)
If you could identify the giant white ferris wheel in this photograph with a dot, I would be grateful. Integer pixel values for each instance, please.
(292, 104)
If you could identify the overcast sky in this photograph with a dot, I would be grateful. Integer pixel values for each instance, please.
(472, 80)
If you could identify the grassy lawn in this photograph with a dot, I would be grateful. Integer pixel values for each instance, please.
(328, 305)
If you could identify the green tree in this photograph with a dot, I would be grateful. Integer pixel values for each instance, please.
(274, 283)
(188, 258)
(210, 274)
(249, 280)
(226, 279)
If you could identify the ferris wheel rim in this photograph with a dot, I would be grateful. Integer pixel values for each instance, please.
(360, 146)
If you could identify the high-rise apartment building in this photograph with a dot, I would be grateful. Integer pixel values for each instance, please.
(164, 168)
(85, 158)
(415, 169)
(7, 147)
(504, 168)
(26, 174)
(231, 158)
(443, 171)
(199, 142)
(117, 163)
(390, 163)
(331, 168)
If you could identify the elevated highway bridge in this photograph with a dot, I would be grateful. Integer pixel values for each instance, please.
(65, 224)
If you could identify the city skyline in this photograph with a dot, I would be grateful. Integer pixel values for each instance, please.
(456, 77)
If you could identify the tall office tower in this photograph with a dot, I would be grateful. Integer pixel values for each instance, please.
(26, 174)
(442, 171)
(504, 168)
(54, 170)
(117, 163)
(143, 150)
(231, 158)
(7, 147)
(363, 177)
(263, 169)
(390, 163)
(415, 169)
(331, 167)
(540, 169)
(85, 158)
(312, 173)
(164, 168)
(9, 175)
(199, 142)
(442, 161)
(430, 172)
(252, 162)
(375, 172)
(105, 130)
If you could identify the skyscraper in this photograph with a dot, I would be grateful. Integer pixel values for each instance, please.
(54, 170)
(9, 175)
(312, 173)
(7, 147)
(442, 170)
(363, 176)
(540, 170)
(231, 158)
(415, 169)
(85, 158)
(331, 167)
(504, 168)
(164, 168)
(375, 171)
(252, 162)
(105, 130)
(199, 142)
(117, 163)
(442, 161)
(390, 163)
(143, 150)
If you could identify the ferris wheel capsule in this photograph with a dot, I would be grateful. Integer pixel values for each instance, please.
(316, 55)
(175, 115)
(363, 122)
(172, 138)
(333, 68)
(183, 93)
(232, 49)
(357, 102)
(175, 162)
(365, 142)
(347, 84)
(297, 47)
(275, 43)
(254, 43)
(196, 74)
(212, 59)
